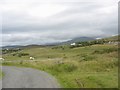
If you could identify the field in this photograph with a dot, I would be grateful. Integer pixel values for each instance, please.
(93, 66)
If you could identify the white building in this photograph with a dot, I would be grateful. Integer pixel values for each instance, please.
(2, 59)
(73, 44)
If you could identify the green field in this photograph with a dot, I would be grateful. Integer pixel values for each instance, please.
(93, 66)
(1, 74)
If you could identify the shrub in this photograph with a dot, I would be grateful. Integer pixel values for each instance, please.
(87, 57)
(5, 51)
(21, 62)
(64, 67)
(105, 51)
(20, 54)
(70, 67)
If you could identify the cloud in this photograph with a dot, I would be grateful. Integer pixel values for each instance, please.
(40, 22)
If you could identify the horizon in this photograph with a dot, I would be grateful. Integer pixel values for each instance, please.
(26, 22)
(55, 42)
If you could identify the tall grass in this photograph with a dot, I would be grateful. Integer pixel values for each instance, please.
(95, 66)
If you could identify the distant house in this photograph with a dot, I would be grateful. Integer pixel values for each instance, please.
(73, 44)
(98, 38)
(2, 59)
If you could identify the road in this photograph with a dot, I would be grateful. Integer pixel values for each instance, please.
(27, 78)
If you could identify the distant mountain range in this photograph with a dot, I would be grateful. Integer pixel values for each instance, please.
(12, 46)
(78, 39)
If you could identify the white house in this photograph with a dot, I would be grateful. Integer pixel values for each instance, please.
(2, 59)
(73, 44)
(98, 38)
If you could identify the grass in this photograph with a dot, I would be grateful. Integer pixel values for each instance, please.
(1, 74)
(80, 67)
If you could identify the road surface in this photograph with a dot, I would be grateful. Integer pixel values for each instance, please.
(27, 78)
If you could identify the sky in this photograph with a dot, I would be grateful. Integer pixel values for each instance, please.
(24, 22)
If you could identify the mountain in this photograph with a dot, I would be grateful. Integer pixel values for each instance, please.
(79, 39)
(22, 47)
(34, 46)
(11, 47)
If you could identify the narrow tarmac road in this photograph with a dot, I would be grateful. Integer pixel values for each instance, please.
(27, 78)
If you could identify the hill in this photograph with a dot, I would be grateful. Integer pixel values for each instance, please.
(113, 38)
(11, 47)
(93, 66)
(79, 39)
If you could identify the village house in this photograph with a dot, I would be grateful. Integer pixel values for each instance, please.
(73, 44)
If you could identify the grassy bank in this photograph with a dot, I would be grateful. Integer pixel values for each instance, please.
(1, 74)
(87, 67)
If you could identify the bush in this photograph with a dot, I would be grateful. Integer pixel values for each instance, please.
(21, 62)
(21, 54)
(87, 57)
(5, 51)
(109, 50)
(64, 67)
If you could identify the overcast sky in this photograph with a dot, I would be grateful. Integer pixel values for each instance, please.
(26, 22)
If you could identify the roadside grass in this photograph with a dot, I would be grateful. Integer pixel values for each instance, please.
(74, 68)
(1, 74)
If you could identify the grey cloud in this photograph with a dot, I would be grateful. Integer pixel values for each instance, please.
(81, 19)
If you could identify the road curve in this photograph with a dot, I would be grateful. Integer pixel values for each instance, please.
(16, 77)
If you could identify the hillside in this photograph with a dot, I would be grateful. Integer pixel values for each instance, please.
(11, 47)
(113, 38)
(50, 44)
(94, 66)
(79, 39)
